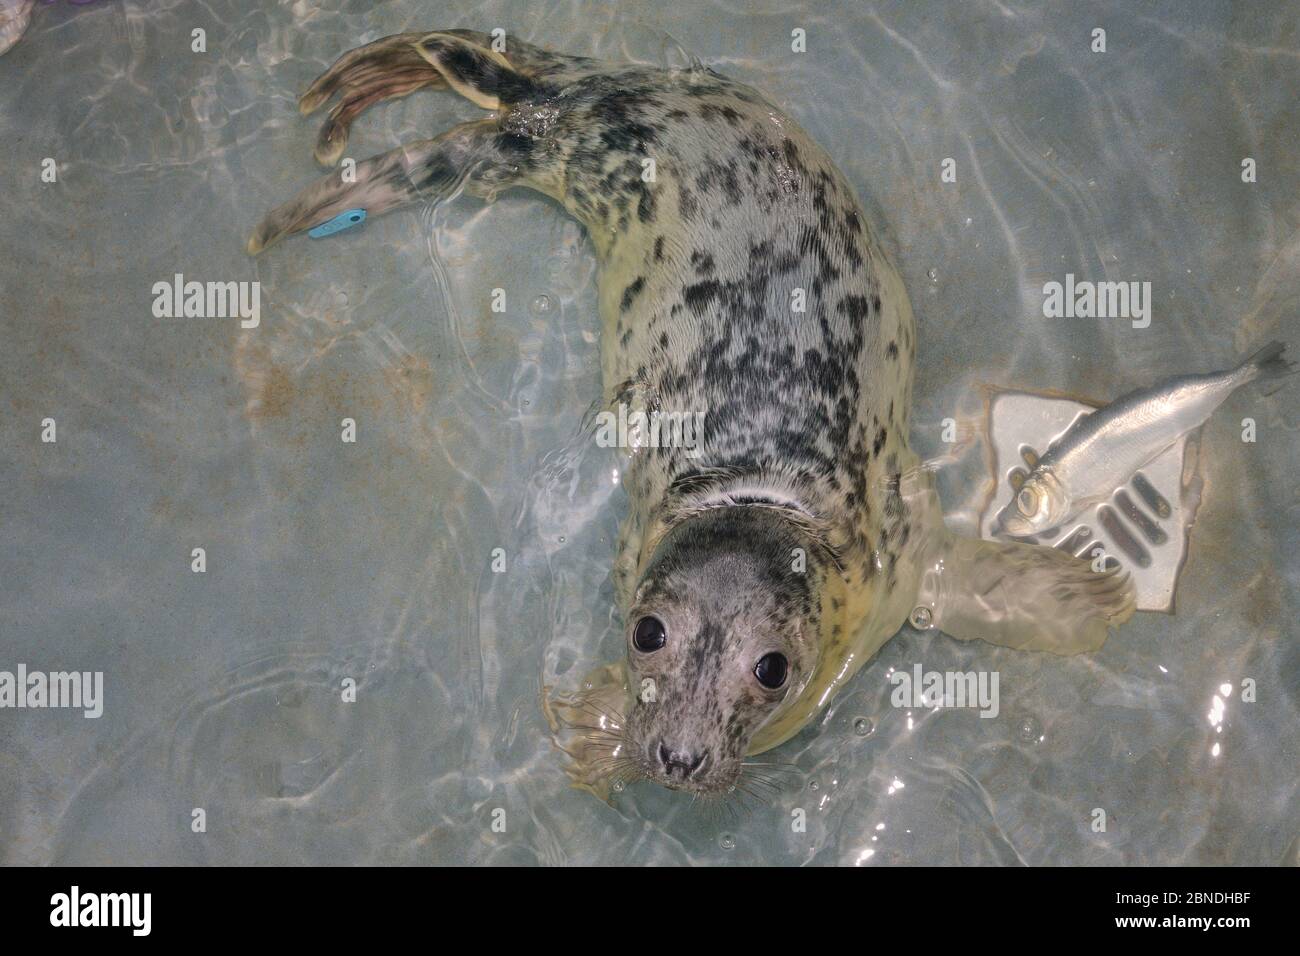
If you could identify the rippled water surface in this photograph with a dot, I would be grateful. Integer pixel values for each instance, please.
(372, 561)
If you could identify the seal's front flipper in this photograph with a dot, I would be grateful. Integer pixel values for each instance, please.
(430, 169)
(587, 726)
(1025, 596)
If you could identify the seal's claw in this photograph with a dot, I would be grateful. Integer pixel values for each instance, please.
(331, 142)
(311, 101)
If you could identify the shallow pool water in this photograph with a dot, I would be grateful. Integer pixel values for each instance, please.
(372, 562)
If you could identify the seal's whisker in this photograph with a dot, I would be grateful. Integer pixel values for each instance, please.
(741, 802)
(599, 737)
(593, 732)
(774, 766)
(591, 705)
(715, 807)
(609, 766)
(625, 774)
(759, 785)
(768, 774)
(610, 759)
(592, 710)
(763, 797)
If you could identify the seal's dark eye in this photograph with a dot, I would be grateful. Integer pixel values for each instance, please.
(771, 670)
(649, 635)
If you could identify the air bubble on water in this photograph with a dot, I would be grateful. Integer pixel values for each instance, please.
(542, 304)
(727, 841)
(863, 727)
(1030, 730)
(561, 539)
(618, 786)
(934, 275)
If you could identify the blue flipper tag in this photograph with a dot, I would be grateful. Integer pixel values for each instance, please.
(344, 220)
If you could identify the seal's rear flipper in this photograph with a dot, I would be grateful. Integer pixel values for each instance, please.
(399, 65)
(383, 70)
(475, 154)
(1024, 596)
(464, 60)
(478, 73)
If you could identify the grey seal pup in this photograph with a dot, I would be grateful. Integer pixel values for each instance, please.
(758, 570)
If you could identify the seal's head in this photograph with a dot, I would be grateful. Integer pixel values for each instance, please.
(722, 632)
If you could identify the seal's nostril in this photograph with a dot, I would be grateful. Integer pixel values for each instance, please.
(665, 757)
(673, 760)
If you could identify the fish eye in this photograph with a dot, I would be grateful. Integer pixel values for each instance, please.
(771, 670)
(1027, 502)
(650, 635)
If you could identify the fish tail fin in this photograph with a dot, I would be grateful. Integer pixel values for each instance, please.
(1268, 363)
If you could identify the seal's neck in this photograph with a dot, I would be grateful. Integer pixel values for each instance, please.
(706, 492)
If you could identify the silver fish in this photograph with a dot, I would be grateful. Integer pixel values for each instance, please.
(1101, 451)
(14, 15)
